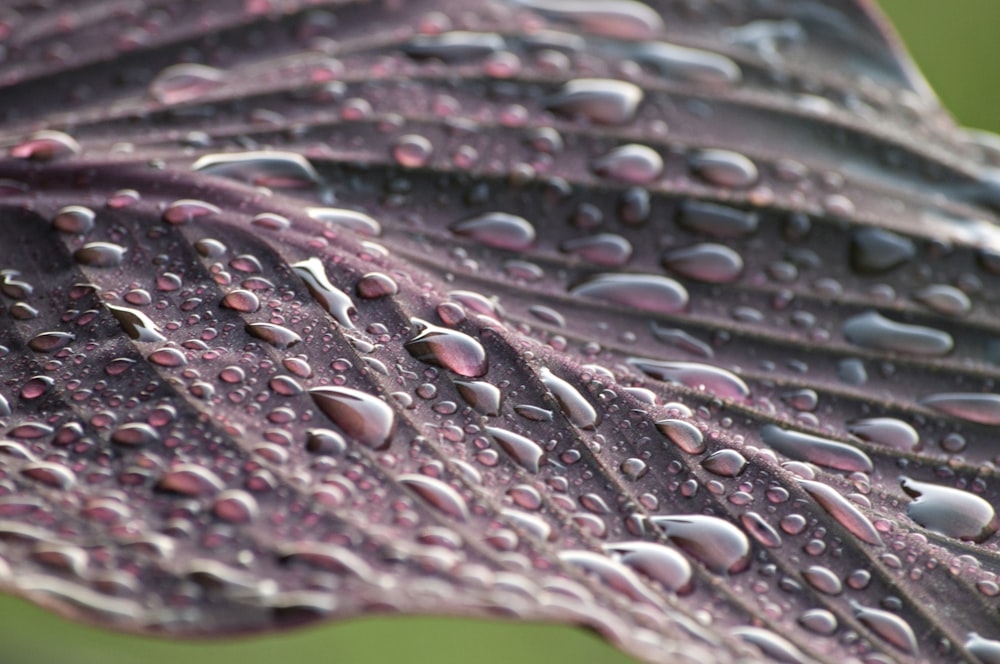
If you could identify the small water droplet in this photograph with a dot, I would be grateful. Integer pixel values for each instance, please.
(185, 82)
(359, 415)
(412, 151)
(191, 480)
(236, 506)
(725, 463)
(454, 46)
(659, 562)
(604, 249)
(359, 222)
(482, 396)
(375, 285)
(873, 331)
(498, 230)
(241, 300)
(186, 209)
(50, 342)
(944, 299)
(168, 357)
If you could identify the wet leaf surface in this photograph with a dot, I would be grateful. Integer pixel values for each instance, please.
(675, 322)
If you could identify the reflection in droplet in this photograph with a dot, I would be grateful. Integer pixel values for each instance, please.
(695, 375)
(600, 100)
(717, 544)
(573, 404)
(842, 510)
(524, 451)
(100, 254)
(448, 348)
(888, 626)
(74, 219)
(657, 561)
(683, 434)
(359, 415)
(438, 494)
(337, 303)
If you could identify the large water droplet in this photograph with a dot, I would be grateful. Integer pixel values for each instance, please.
(601, 100)
(872, 330)
(191, 480)
(950, 512)
(438, 494)
(986, 650)
(454, 46)
(689, 65)
(717, 220)
(100, 254)
(135, 324)
(647, 292)
(187, 209)
(184, 82)
(683, 434)
(276, 335)
(626, 19)
(359, 415)
(725, 463)
(74, 219)
(359, 222)
(718, 545)
(526, 452)
(482, 396)
(573, 404)
(657, 561)
(611, 572)
(633, 163)
(336, 302)
(876, 251)
(724, 168)
(842, 510)
(50, 342)
(814, 449)
(710, 262)
(265, 168)
(971, 406)
(886, 431)
(447, 348)
(695, 375)
(46, 145)
(498, 229)
(888, 626)
(775, 647)
(604, 249)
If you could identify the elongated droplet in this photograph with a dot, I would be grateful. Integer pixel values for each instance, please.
(888, 626)
(647, 292)
(137, 325)
(725, 463)
(689, 65)
(359, 222)
(482, 396)
(454, 46)
(717, 220)
(611, 572)
(887, 431)
(191, 480)
(877, 251)
(186, 209)
(842, 510)
(573, 404)
(264, 168)
(874, 331)
(944, 299)
(438, 494)
(448, 348)
(604, 249)
(724, 168)
(775, 647)
(760, 529)
(971, 406)
(657, 561)
(709, 262)
(814, 449)
(683, 434)
(276, 335)
(600, 100)
(986, 650)
(334, 300)
(696, 376)
(626, 19)
(526, 452)
(74, 219)
(100, 254)
(359, 415)
(950, 512)
(50, 342)
(498, 230)
(718, 545)
(184, 82)
(46, 145)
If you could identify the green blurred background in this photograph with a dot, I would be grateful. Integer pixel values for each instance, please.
(955, 44)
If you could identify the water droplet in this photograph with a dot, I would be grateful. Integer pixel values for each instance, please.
(191, 480)
(633, 163)
(724, 168)
(819, 621)
(683, 434)
(725, 463)
(74, 219)
(842, 510)
(524, 451)
(264, 168)
(168, 357)
(709, 262)
(876, 251)
(646, 292)
(276, 335)
(185, 82)
(689, 65)
(695, 375)
(446, 348)
(823, 580)
(760, 529)
(186, 209)
(873, 331)
(626, 19)
(659, 562)
(573, 404)
(974, 407)
(600, 100)
(271, 221)
(718, 545)
(454, 46)
(375, 285)
(236, 506)
(335, 301)
(438, 494)
(482, 396)
(886, 431)
(986, 650)
(717, 220)
(604, 249)
(359, 222)
(328, 557)
(944, 299)
(359, 415)
(46, 145)
(325, 441)
(412, 150)
(50, 342)
(775, 647)
(244, 301)
(100, 254)
(499, 230)
(888, 626)
(950, 512)
(814, 449)
(49, 474)
(611, 572)
(135, 434)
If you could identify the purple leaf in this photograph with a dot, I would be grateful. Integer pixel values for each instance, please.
(673, 322)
